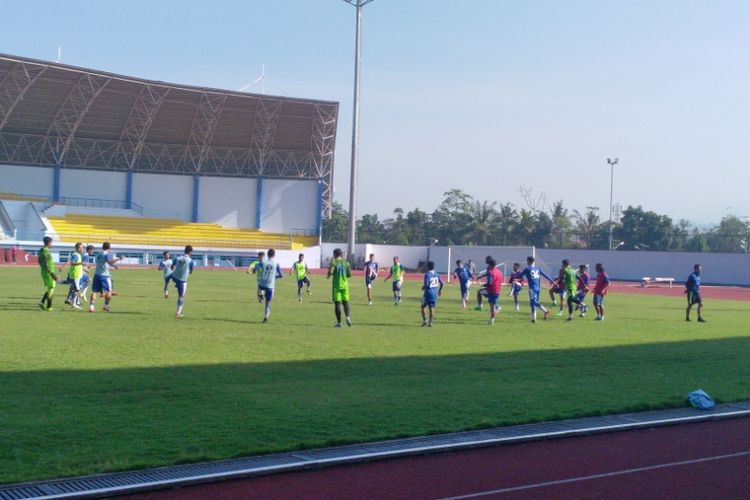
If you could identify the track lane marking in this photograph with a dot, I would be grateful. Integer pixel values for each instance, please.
(598, 476)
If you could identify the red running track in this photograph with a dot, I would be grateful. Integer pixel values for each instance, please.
(700, 460)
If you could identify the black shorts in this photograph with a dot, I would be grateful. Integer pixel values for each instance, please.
(694, 298)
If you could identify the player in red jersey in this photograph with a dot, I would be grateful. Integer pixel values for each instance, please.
(582, 288)
(600, 291)
(494, 282)
(516, 283)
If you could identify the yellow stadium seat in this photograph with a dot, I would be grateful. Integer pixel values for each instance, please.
(168, 232)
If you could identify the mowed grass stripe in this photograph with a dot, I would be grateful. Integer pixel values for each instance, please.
(85, 393)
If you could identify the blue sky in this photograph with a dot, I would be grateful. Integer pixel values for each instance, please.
(481, 96)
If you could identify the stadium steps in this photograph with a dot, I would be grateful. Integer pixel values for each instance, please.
(165, 232)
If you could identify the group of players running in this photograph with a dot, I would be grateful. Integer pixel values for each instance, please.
(571, 285)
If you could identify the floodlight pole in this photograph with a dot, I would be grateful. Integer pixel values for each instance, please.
(355, 127)
(612, 164)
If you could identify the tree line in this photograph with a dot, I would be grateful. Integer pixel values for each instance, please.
(462, 220)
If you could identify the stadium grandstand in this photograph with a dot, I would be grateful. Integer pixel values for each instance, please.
(91, 156)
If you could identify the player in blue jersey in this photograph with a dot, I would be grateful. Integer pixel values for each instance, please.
(102, 283)
(464, 276)
(516, 283)
(693, 291)
(269, 271)
(432, 287)
(182, 268)
(166, 266)
(88, 262)
(532, 275)
(371, 273)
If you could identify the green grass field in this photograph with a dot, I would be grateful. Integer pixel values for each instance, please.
(82, 393)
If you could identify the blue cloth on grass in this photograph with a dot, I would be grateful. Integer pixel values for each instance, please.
(699, 399)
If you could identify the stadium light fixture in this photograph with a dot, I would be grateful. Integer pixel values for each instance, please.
(359, 4)
(612, 164)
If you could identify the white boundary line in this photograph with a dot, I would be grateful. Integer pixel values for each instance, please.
(621, 472)
(417, 450)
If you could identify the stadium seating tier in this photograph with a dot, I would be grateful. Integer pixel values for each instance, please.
(168, 232)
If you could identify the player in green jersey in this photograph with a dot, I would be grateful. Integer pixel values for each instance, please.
(570, 280)
(341, 272)
(397, 274)
(302, 275)
(49, 277)
(75, 275)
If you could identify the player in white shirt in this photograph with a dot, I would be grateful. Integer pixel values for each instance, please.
(371, 274)
(267, 281)
(102, 283)
(166, 266)
(182, 268)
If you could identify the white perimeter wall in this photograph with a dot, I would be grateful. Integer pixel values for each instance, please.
(718, 268)
(289, 204)
(164, 196)
(27, 180)
(228, 201)
(326, 251)
(97, 184)
(410, 257)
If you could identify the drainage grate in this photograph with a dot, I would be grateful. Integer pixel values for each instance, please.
(108, 484)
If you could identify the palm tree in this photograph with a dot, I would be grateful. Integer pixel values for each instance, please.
(507, 219)
(561, 224)
(525, 227)
(587, 224)
(484, 219)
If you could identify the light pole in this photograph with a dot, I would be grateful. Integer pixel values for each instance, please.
(612, 164)
(355, 127)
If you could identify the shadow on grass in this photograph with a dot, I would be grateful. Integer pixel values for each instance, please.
(72, 422)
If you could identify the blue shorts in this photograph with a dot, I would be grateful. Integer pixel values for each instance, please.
(304, 281)
(598, 300)
(581, 295)
(397, 285)
(167, 279)
(267, 293)
(493, 298)
(694, 298)
(368, 281)
(102, 284)
(516, 288)
(464, 288)
(84, 280)
(180, 285)
(429, 301)
(534, 297)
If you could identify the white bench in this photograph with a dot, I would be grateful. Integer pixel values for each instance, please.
(645, 281)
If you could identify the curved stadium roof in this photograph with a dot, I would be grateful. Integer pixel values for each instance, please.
(80, 118)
